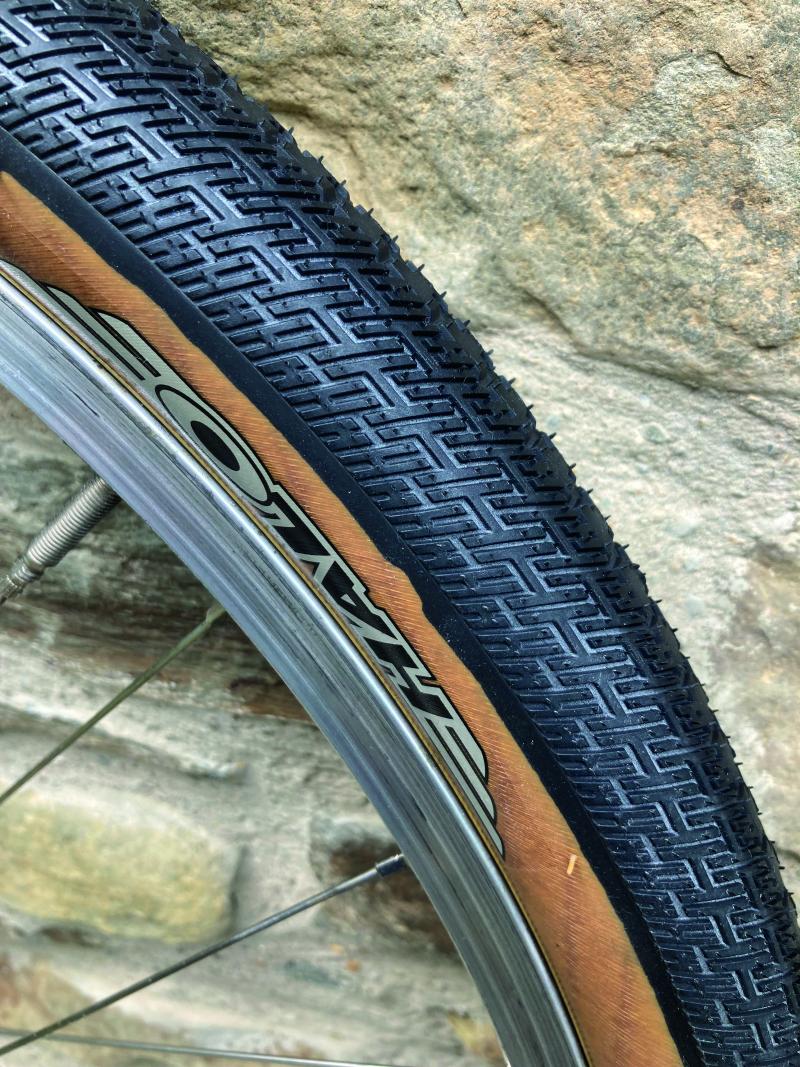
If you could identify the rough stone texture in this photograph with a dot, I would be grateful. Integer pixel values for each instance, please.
(115, 862)
(610, 192)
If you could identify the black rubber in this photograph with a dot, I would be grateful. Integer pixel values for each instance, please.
(256, 251)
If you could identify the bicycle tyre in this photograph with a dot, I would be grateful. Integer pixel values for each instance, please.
(137, 182)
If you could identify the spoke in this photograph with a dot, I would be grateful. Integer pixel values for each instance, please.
(189, 1050)
(380, 870)
(61, 534)
(214, 612)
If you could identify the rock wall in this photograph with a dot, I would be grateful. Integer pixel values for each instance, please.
(609, 192)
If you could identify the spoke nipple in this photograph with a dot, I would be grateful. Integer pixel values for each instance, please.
(392, 865)
(215, 611)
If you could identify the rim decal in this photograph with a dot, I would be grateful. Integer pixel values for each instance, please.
(232, 458)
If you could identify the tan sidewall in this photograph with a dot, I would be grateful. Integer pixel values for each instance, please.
(603, 984)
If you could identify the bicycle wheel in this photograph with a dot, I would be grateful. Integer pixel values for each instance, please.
(200, 311)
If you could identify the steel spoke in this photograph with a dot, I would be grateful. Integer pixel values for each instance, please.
(60, 535)
(380, 870)
(189, 1050)
(214, 612)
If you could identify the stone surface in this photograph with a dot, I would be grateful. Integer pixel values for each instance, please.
(119, 863)
(302, 998)
(609, 191)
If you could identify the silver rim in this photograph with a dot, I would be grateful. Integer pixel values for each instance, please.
(97, 417)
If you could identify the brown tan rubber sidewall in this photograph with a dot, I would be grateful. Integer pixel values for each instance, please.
(610, 999)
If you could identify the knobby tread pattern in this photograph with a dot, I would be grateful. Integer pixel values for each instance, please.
(315, 295)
